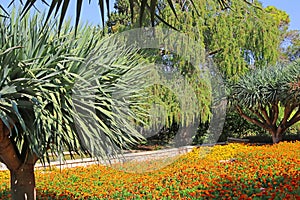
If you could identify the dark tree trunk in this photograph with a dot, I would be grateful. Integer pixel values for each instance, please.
(21, 169)
(23, 183)
(276, 136)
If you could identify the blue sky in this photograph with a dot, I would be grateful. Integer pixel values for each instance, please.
(90, 12)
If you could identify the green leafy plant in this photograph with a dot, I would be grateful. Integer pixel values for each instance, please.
(271, 97)
(47, 83)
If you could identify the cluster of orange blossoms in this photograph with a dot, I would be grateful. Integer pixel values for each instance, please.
(233, 171)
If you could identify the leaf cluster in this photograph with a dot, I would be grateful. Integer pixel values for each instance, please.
(267, 86)
(56, 90)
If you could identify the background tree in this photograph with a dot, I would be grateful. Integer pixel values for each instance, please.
(269, 98)
(43, 110)
(292, 51)
(290, 39)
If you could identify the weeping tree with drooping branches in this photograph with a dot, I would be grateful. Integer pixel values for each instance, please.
(269, 98)
(237, 39)
(43, 108)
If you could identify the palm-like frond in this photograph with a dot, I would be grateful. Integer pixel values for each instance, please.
(41, 90)
(267, 86)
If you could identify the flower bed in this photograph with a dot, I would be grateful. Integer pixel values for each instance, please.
(256, 172)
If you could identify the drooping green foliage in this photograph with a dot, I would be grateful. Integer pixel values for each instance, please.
(43, 82)
(178, 64)
(181, 87)
(237, 38)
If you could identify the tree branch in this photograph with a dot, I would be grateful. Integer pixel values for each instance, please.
(258, 115)
(251, 4)
(254, 121)
(275, 112)
(28, 156)
(294, 119)
(265, 114)
(211, 53)
(284, 124)
(287, 113)
(4, 131)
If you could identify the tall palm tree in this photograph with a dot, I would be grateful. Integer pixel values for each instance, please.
(46, 89)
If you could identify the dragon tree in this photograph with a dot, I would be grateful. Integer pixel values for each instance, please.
(269, 98)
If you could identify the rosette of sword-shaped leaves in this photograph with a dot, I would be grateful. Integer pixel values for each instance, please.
(269, 85)
(38, 72)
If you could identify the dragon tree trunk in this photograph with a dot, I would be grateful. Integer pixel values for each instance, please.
(21, 172)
